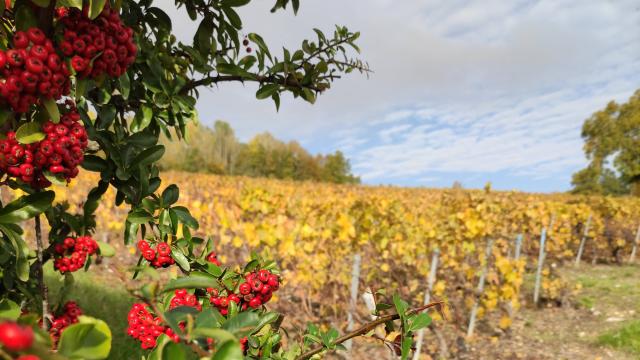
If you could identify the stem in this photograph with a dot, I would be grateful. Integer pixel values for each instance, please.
(366, 328)
(44, 292)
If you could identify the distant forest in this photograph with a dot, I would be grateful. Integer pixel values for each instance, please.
(217, 150)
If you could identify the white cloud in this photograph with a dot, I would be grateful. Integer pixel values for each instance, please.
(489, 85)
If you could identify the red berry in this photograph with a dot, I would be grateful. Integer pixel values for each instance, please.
(20, 40)
(255, 303)
(35, 65)
(78, 63)
(15, 337)
(36, 35)
(245, 289)
(3, 59)
(163, 249)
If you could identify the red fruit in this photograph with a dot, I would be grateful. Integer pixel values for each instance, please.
(39, 52)
(263, 275)
(36, 35)
(67, 48)
(163, 249)
(20, 40)
(273, 281)
(17, 151)
(15, 337)
(255, 303)
(256, 285)
(181, 293)
(26, 170)
(69, 243)
(54, 62)
(142, 245)
(56, 169)
(213, 258)
(245, 289)
(78, 63)
(3, 59)
(35, 65)
(149, 254)
(245, 42)
(224, 302)
(15, 58)
(79, 46)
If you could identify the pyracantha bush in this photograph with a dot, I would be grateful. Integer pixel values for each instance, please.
(71, 255)
(97, 47)
(145, 327)
(31, 70)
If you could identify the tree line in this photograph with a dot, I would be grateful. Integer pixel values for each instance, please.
(217, 150)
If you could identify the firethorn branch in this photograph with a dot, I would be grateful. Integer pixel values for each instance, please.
(44, 291)
(368, 327)
(210, 80)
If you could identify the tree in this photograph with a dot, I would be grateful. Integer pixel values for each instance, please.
(63, 60)
(612, 144)
(336, 168)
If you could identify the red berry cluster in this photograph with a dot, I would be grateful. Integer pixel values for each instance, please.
(257, 290)
(59, 153)
(146, 328)
(31, 70)
(212, 257)
(96, 47)
(15, 337)
(71, 254)
(158, 257)
(183, 298)
(69, 315)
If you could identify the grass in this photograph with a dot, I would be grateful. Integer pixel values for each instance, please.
(102, 298)
(626, 338)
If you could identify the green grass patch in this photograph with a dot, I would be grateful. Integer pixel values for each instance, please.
(102, 298)
(626, 338)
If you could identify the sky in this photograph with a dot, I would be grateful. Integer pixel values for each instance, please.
(473, 91)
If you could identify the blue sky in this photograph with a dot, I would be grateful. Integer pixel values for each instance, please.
(473, 91)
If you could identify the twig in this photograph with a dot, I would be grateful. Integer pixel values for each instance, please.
(44, 292)
(366, 328)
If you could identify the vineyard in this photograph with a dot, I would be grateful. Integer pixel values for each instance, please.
(315, 230)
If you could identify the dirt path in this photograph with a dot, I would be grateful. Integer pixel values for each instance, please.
(609, 299)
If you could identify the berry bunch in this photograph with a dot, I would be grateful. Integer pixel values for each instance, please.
(71, 254)
(183, 298)
(31, 70)
(212, 257)
(60, 153)
(69, 315)
(15, 337)
(96, 47)
(146, 328)
(158, 257)
(257, 290)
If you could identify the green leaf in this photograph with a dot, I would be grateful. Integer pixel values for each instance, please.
(125, 85)
(243, 324)
(203, 38)
(142, 119)
(70, 3)
(233, 17)
(52, 110)
(401, 305)
(173, 351)
(106, 250)
(139, 216)
(26, 207)
(185, 217)
(218, 334)
(25, 18)
(170, 195)
(149, 155)
(94, 163)
(182, 260)
(88, 339)
(29, 133)
(195, 280)
(260, 42)
(4, 114)
(229, 350)
(95, 8)
(267, 90)
(419, 321)
(9, 310)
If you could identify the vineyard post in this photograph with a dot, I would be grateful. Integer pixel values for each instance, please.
(584, 239)
(536, 291)
(632, 258)
(516, 257)
(518, 247)
(427, 297)
(476, 304)
(355, 281)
